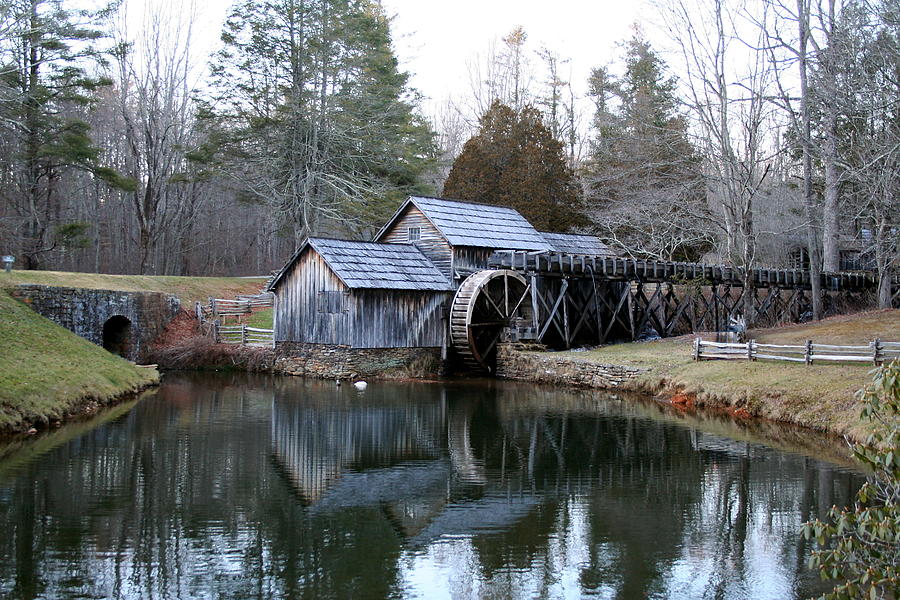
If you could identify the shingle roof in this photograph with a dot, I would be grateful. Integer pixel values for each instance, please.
(375, 266)
(574, 243)
(482, 225)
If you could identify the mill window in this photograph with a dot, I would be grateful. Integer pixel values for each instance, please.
(414, 234)
(331, 302)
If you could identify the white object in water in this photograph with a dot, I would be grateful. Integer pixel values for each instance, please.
(360, 385)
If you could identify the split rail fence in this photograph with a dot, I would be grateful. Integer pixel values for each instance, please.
(877, 352)
(213, 317)
(242, 334)
(242, 305)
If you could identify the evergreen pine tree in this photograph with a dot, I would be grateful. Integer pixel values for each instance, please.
(644, 185)
(46, 51)
(312, 114)
(515, 161)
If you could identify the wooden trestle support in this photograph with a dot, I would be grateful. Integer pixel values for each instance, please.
(565, 300)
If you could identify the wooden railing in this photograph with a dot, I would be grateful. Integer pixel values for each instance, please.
(242, 334)
(232, 334)
(242, 305)
(652, 271)
(264, 300)
(221, 307)
(876, 352)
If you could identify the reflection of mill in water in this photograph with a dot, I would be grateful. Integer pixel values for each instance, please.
(415, 461)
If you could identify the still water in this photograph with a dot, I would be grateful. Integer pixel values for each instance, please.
(238, 486)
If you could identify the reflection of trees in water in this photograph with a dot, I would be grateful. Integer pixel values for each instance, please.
(200, 488)
(693, 490)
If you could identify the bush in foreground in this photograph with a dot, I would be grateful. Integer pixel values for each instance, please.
(860, 547)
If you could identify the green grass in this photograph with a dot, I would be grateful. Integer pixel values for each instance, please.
(820, 395)
(262, 318)
(48, 372)
(188, 289)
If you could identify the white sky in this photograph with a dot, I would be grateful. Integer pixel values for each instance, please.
(435, 40)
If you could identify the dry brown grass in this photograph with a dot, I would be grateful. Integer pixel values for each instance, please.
(200, 352)
(844, 329)
(819, 396)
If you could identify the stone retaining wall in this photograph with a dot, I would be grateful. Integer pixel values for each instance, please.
(343, 362)
(85, 311)
(545, 367)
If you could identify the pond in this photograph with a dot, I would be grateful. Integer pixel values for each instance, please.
(241, 486)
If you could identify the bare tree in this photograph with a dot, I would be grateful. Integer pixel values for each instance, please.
(559, 104)
(452, 131)
(872, 153)
(731, 119)
(155, 108)
(643, 183)
(504, 73)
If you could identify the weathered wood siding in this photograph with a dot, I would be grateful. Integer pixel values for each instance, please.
(296, 316)
(467, 259)
(430, 241)
(368, 319)
(398, 319)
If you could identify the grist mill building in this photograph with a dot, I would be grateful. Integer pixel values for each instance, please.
(447, 279)
(420, 288)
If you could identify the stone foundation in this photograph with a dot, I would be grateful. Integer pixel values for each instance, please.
(546, 367)
(344, 362)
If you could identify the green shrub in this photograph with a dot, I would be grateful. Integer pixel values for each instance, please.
(860, 547)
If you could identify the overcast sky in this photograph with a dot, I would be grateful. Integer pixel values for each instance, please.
(434, 40)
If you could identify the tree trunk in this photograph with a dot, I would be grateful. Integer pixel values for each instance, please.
(831, 251)
(812, 241)
(884, 262)
(33, 231)
(885, 299)
(144, 247)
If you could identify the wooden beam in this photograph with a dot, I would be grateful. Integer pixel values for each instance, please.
(552, 315)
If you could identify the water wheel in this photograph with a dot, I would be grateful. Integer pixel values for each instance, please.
(485, 303)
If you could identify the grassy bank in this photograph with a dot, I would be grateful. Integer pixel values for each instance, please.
(48, 373)
(819, 396)
(188, 289)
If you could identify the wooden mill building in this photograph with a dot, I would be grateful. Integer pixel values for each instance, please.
(397, 291)
(446, 277)
(361, 295)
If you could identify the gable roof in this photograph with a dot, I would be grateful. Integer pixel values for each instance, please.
(373, 266)
(576, 243)
(472, 224)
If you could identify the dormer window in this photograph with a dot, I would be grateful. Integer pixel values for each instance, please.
(413, 234)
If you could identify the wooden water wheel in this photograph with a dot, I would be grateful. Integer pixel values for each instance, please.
(485, 303)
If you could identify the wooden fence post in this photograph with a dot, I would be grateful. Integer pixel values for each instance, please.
(243, 334)
(198, 309)
(809, 352)
(750, 350)
(216, 333)
(697, 348)
(877, 354)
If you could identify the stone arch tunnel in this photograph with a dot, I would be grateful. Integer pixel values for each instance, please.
(123, 323)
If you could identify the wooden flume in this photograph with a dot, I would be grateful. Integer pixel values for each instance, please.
(582, 299)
